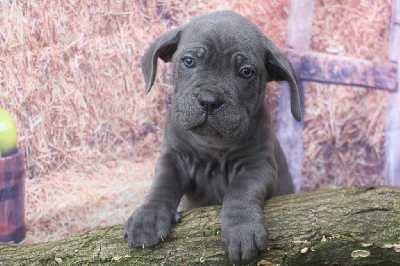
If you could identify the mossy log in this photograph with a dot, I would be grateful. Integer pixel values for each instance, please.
(351, 226)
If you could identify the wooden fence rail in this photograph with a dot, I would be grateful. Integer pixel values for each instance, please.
(318, 67)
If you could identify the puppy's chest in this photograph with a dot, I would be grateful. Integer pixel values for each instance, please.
(210, 174)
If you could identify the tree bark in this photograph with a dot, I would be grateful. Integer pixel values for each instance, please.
(324, 227)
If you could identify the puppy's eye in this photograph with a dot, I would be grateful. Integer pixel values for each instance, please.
(246, 73)
(188, 62)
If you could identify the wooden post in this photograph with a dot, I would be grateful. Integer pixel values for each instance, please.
(393, 111)
(289, 131)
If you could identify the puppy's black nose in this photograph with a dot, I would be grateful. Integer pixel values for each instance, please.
(209, 102)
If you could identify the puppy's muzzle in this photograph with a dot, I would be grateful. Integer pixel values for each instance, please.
(209, 103)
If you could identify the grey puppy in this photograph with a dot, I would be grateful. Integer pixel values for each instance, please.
(219, 144)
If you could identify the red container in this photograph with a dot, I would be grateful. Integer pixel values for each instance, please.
(12, 198)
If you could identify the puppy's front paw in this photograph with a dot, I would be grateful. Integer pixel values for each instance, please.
(242, 239)
(149, 224)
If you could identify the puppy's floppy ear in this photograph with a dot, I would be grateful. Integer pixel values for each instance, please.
(279, 68)
(164, 47)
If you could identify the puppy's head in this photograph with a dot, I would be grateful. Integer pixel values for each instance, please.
(221, 63)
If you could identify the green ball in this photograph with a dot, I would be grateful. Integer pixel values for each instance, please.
(8, 133)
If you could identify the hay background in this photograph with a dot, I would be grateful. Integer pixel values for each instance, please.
(70, 78)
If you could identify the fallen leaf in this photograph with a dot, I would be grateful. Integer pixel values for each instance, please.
(304, 250)
(396, 247)
(360, 253)
(58, 260)
(296, 243)
(265, 263)
(118, 258)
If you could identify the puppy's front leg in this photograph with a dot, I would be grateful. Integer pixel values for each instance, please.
(244, 230)
(151, 222)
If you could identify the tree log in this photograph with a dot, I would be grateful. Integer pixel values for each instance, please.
(324, 227)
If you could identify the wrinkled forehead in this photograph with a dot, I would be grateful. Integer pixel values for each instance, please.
(223, 31)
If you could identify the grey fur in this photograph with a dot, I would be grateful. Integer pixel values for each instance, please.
(219, 144)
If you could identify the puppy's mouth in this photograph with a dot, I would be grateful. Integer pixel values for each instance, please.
(209, 105)
(211, 127)
(217, 123)
(206, 130)
(204, 126)
(207, 113)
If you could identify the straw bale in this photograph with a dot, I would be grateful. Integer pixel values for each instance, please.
(343, 138)
(70, 76)
(84, 196)
(344, 134)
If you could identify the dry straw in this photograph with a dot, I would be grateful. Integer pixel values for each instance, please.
(345, 126)
(70, 76)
